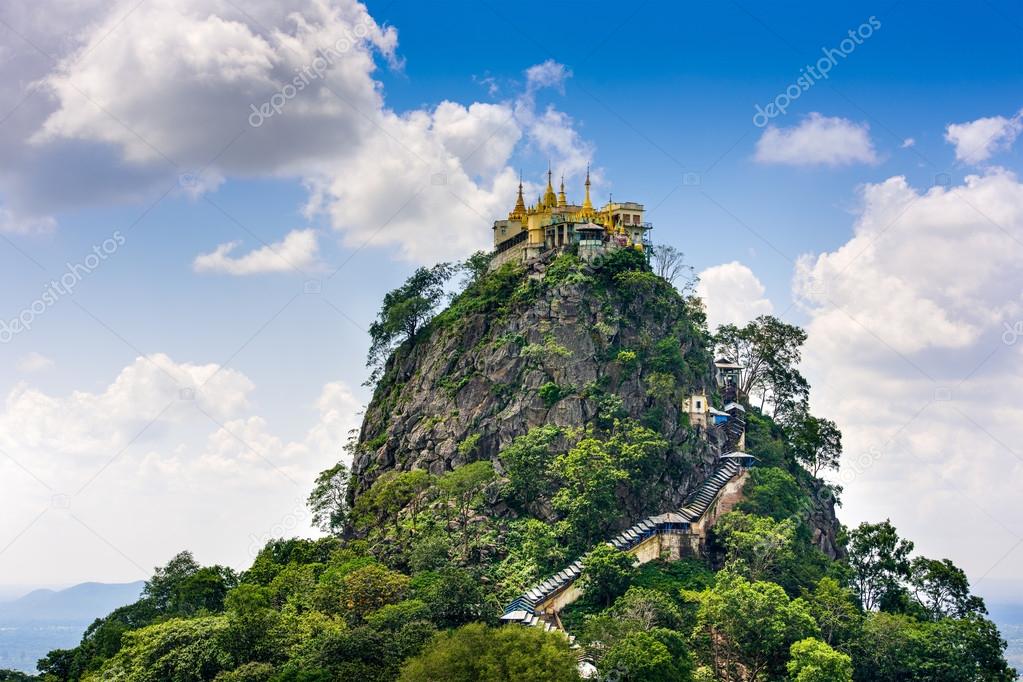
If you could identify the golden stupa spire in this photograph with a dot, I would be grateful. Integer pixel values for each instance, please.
(550, 200)
(562, 199)
(520, 203)
(587, 204)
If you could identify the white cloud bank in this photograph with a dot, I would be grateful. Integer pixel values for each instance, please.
(913, 350)
(296, 252)
(817, 141)
(979, 140)
(168, 456)
(732, 294)
(202, 90)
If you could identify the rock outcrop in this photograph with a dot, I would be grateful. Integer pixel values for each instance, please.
(561, 343)
(560, 353)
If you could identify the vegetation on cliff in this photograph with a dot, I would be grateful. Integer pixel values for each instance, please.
(508, 435)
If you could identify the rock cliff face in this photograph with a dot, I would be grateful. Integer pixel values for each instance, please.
(556, 351)
(564, 344)
(824, 522)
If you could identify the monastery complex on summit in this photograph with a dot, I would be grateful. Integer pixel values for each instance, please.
(553, 223)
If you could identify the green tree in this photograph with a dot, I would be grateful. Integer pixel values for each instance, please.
(756, 546)
(526, 461)
(254, 630)
(414, 486)
(247, 672)
(278, 553)
(164, 586)
(835, 610)
(177, 650)
(429, 550)
(815, 442)
(659, 655)
(474, 268)
(183, 587)
(880, 562)
(883, 649)
(606, 573)
(746, 627)
(814, 661)
(898, 648)
(455, 596)
(769, 351)
(393, 616)
(369, 588)
(390, 495)
(772, 491)
(638, 610)
(328, 501)
(592, 471)
(509, 654)
(404, 312)
(535, 544)
(463, 488)
(648, 608)
(956, 649)
(943, 589)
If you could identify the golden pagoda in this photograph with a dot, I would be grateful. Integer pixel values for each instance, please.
(555, 223)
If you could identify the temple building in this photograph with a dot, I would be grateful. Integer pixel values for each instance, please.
(554, 223)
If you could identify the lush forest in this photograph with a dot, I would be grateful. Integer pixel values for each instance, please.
(411, 573)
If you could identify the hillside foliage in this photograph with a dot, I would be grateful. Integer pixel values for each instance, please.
(410, 577)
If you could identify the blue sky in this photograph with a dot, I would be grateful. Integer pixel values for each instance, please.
(116, 106)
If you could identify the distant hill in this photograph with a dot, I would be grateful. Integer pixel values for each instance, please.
(78, 604)
(45, 619)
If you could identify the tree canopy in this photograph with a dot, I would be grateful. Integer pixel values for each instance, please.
(880, 562)
(405, 310)
(670, 263)
(509, 654)
(328, 500)
(769, 351)
(816, 443)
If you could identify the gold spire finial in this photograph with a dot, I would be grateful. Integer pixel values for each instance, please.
(562, 199)
(587, 203)
(520, 203)
(550, 200)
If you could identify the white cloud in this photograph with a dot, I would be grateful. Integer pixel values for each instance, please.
(977, 141)
(732, 294)
(817, 140)
(547, 74)
(173, 63)
(168, 456)
(880, 278)
(907, 143)
(282, 89)
(94, 424)
(912, 349)
(13, 223)
(432, 184)
(34, 362)
(297, 251)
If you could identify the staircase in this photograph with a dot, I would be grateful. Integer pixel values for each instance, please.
(701, 499)
(534, 607)
(524, 608)
(735, 427)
